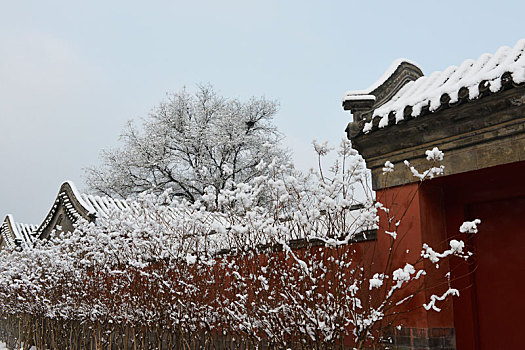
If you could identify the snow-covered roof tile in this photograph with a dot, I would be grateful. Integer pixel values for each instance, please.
(15, 233)
(100, 208)
(79, 196)
(26, 231)
(103, 205)
(430, 92)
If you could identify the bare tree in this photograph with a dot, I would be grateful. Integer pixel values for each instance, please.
(189, 143)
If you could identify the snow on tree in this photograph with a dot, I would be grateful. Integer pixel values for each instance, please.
(191, 142)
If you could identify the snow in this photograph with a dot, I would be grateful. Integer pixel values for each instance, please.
(427, 90)
(3, 346)
(376, 281)
(26, 230)
(456, 248)
(321, 148)
(362, 94)
(219, 233)
(360, 98)
(470, 226)
(79, 197)
(434, 155)
(20, 231)
(154, 258)
(403, 275)
(388, 168)
(101, 206)
(392, 234)
(434, 298)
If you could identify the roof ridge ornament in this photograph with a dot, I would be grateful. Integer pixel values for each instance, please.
(14, 234)
(361, 103)
(76, 206)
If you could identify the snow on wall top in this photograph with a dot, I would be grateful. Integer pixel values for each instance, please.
(78, 205)
(26, 231)
(352, 94)
(428, 90)
(101, 206)
(13, 231)
(80, 197)
(81, 205)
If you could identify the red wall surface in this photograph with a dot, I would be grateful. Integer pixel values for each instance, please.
(489, 312)
(420, 209)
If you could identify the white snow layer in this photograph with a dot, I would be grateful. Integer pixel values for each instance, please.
(101, 206)
(21, 231)
(98, 205)
(427, 90)
(349, 95)
(360, 97)
(80, 198)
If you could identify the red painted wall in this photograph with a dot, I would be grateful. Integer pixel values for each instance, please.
(420, 209)
(488, 314)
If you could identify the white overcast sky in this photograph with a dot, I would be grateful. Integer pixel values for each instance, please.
(73, 72)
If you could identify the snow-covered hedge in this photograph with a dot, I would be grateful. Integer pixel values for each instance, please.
(272, 261)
